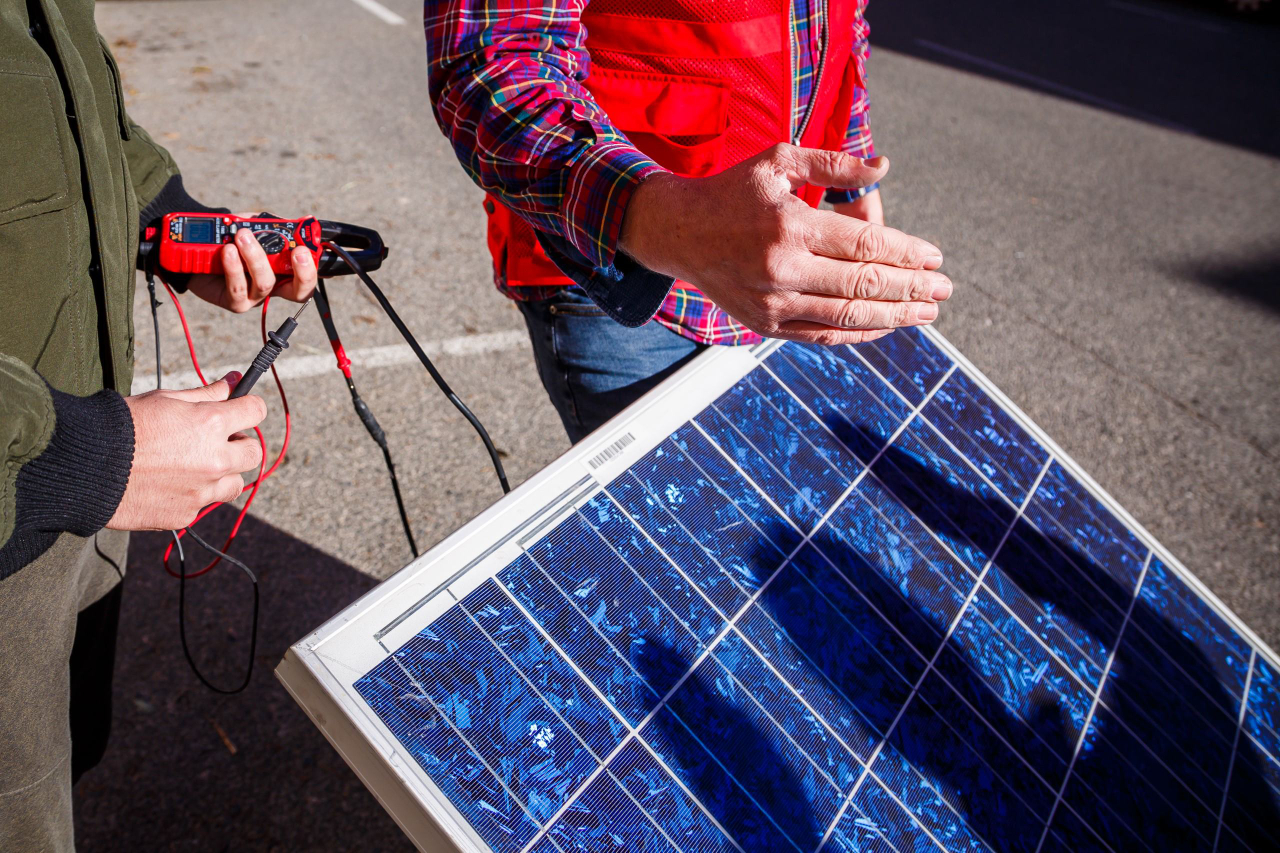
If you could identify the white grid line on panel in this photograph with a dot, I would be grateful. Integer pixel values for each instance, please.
(760, 656)
(1088, 721)
(423, 693)
(946, 415)
(835, 407)
(1102, 496)
(623, 560)
(698, 640)
(1231, 766)
(848, 801)
(728, 497)
(631, 731)
(692, 584)
(894, 388)
(732, 624)
(817, 450)
(848, 804)
(663, 700)
(712, 557)
(600, 763)
(955, 622)
(729, 458)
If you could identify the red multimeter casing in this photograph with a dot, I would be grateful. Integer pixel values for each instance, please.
(192, 242)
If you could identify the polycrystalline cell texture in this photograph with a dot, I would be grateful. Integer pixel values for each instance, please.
(851, 604)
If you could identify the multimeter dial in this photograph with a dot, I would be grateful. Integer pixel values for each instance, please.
(272, 241)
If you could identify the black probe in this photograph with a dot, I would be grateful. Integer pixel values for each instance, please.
(277, 342)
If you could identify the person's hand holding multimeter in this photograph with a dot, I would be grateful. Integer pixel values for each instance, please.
(237, 260)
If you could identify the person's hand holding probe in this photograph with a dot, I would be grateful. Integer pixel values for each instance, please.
(189, 452)
(777, 265)
(248, 277)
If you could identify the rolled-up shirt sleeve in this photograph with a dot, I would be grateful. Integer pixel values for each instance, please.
(857, 140)
(505, 80)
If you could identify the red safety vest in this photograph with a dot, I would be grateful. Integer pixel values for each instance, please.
(698, 86)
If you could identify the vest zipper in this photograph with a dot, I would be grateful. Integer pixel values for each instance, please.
(817, 77)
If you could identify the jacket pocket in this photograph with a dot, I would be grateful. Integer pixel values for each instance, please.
(679, 121)
(36, 133)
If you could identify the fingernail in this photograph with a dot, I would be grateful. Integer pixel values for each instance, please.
(301, 257)
(232, 378)
(933, 261)
(941, 290)
(927, 313)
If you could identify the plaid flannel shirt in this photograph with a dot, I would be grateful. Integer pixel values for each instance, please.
(505, 80)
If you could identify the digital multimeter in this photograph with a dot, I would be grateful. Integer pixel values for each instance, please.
(187, 243)
(192, 242)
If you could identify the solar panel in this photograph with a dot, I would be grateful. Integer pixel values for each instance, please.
(805, 599)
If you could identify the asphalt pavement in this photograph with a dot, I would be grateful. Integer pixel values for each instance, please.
(1102, 177)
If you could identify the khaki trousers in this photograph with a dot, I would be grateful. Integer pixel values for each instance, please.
(38, 609)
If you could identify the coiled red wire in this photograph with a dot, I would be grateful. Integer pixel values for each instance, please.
(263, 473)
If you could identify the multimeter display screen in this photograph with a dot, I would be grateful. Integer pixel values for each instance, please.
(199, 231)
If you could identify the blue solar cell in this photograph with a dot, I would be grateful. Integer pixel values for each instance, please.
(897, 564)
(748, 552)
(1263, 719)
(663, 576)
(785, 406)
(892, 821)
(860, 410)
(1032, 683)
(923, 801)
(818, 640)
(724, 797)
(608, 670)
(665, 802)
(448, 760)
(907, 359)
(802, 726)
(798, 504)
(945, 493)
(604, 818)
(550, 675)
(857, 833)
(1175, 616)
(987, 435)
(536, 754)
(742, 493)
(618, 602)
(731, 724)
(1108, 788)
(1044, 589)
(1109, 553)
(770, 646)
(714, 580)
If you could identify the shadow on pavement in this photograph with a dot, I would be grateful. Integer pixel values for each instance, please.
(170, 780)
(1173, 64)
(1256, 279)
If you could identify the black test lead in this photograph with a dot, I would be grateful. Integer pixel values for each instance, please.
(277, 342)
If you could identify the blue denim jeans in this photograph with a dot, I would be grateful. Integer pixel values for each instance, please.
(593, 367)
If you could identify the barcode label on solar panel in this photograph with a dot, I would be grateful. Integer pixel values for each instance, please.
(613, 451)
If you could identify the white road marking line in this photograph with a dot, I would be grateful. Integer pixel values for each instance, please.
(381, 11)
(1051, 86)
(300, 366)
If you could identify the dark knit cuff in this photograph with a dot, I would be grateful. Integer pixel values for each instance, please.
(76, 484)
(174, 198)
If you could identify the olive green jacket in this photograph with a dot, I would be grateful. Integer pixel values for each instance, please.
(74, 174)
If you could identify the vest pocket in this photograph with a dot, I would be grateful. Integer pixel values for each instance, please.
(679, 121)
(35, 133)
